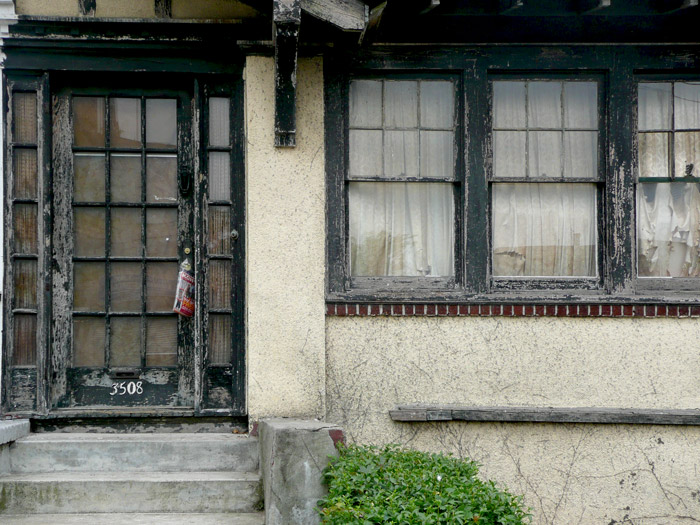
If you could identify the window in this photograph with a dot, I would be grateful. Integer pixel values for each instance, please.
(542, 173)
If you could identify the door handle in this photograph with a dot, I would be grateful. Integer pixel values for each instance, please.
(184, 181)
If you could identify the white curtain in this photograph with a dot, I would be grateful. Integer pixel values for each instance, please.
(401, 229)
(668, 218)
(542, 229)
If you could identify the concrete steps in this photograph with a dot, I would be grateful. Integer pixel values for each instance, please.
(256, 518)
(141, 475)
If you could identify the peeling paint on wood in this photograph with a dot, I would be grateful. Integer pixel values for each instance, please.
(287, 17)
(349, 15)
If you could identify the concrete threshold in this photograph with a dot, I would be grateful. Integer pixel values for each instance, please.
(254, 518)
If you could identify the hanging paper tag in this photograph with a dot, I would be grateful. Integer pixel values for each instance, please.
(184, 295)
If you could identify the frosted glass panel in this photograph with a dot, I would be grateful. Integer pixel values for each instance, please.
(24, 118)
(544, 104)
(24, 340)
(89, 341)
(687, 154)
(161, 232)
(24, 168)
(437, 154)
(125, 335)
(365, 153)
(686, 102)
(161, 282)
(654, 106)
(509, 104)
(219, 108)
(161, 123)
(219, 230)
(89, 286)
(89, 178)
(219, 176)
(437, 102)
(126, 178)
(545, 154)
(668, 230)
(401, 229)
(89, 121)
(400, 104)
(89, 232)
(366, 104)
(653, 155)
(401, 153)
(125, 285)
(126, 232)
(544, 229)
(219, 339)
(25, 228)
(509, 154)
(25, 288)
(161, 341)
(581, 105)
(219, 284)
(161, 178)
(125, 122)
(581, 154)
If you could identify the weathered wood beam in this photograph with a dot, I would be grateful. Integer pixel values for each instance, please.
(506, 6)
(87, 7)
(375, 17)
(164, 8)
(432, 4)
(669, 6)
(348, 15)
(286, 15)
(590, 6)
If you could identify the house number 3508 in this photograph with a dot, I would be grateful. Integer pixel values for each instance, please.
(132, 388)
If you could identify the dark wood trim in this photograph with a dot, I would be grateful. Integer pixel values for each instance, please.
(87, 7)
(593, 415)
(287, 19)
(671, 6)
(375, 18)
(163, 8)
(506, 6)
(592, 6)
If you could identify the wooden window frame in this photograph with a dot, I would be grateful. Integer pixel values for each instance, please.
(617, 71)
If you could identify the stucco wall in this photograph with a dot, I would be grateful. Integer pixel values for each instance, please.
(568, 473)
(285, 199)
(138, 8)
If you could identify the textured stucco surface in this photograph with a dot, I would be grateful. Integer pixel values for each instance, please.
(125, 8)
(285, 199)
(47, 7)
(138, 8)
(211, 9)
(568, 473)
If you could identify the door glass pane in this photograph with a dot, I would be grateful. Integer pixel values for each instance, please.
(24, 123)
(581, 105)
(437, 154)
(24, 340)
(161, 283)
(161, 123)
(686, 105)
(366, 104)
(125, 122)
(89, 177)
(365, 153)
(653, 155)
(437, 102)
(126, 232)
(655, 106)
(126, 178)
(161, 178)
(544, 104)
(89, 228)
(24, 168)
(89, 287)
(219, 230)
(581, 154)
(219, 108)
(161, 232)
(25, 228)
(509, 105)
(89, 121)
(89, 341)
(400, 104)
(509, 154)
(125, 336)
(25, 283)
(219, 284)
(544, 229)
(161, 341)
(125, 286)
(687, 154)
(219, 176)
(545, 154)
(401, 154)
(219, 339)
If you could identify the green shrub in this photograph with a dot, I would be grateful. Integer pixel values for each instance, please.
(390, 485)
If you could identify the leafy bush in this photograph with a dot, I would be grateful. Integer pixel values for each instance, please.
(390, 485)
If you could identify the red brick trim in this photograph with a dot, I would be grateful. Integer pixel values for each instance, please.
(510, 310)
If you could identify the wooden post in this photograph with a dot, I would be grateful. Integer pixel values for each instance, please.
(287, 19)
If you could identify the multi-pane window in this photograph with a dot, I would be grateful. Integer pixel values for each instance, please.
(545, 169)
(668, 193)
(400, 177)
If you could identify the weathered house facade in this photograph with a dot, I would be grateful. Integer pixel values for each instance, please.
(469, 226)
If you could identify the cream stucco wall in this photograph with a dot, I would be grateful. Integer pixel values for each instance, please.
(138, 8)
(285, 205)
(569, 473)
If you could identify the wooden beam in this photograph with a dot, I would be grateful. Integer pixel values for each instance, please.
(669, 6)
(506, 6)
(286, 16)
(432, 4)
(375, 17)
(87, 7)
(164, 8)
(348, 15)
(590, 6)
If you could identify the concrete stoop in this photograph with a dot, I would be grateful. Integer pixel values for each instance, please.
(71, 478)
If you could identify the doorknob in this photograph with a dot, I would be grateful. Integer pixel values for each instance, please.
(234, 235)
